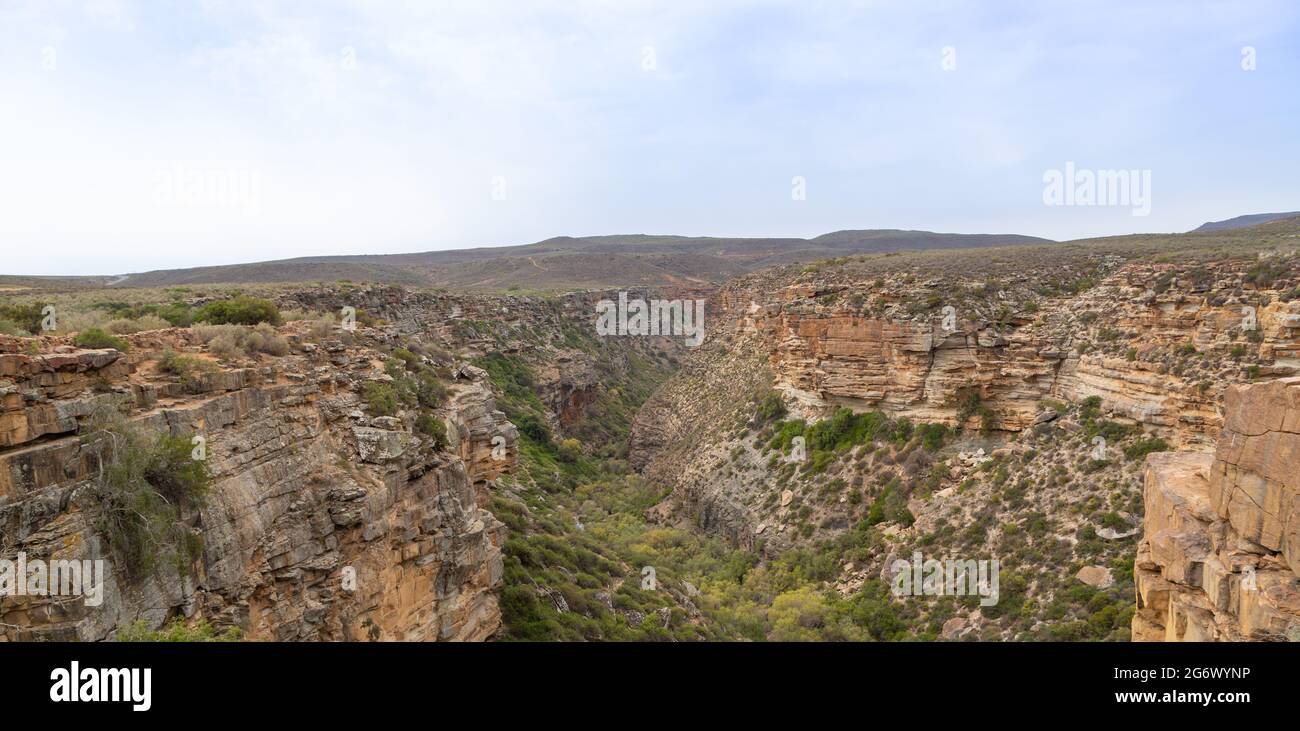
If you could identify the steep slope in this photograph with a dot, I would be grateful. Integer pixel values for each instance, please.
(321, 520)
(578, 542)
(1009, 427)
(1220, 553)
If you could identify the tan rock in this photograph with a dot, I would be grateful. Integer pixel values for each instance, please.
(952, 629)
(1218, 556)
(315, 528)
(1095, 576)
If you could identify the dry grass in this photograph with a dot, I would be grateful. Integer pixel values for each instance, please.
(230, 342)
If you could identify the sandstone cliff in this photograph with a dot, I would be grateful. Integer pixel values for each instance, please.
(1220, 554)
(827, 350)
(322, 523)
(979, 343)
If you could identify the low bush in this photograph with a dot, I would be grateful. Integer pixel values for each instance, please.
(147, 481)
(380, 398)
(23, 318)
(433, 427)
(186, 367)
(177, 631)
(241, 310)
(1143, 447)
(234, 341)
(97, 338)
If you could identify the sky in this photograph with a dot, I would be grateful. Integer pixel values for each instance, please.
(149, 135)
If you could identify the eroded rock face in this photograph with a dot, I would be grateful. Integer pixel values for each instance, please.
(909, 368)
(480, 434)
(1219, 557)
(918, 365)
(320, 524)
(565, 377)
(1255, 482)
(1156, 345)
(40, 393)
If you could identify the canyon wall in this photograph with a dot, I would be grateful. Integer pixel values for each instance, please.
(1156, 345)
(1219, 558)
(321, 523)
(823, 355)
(556, 333)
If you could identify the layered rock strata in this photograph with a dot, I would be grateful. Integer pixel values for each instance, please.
(1220, 555)
(321, 523)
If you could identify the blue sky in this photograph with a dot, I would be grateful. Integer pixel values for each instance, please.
(144, 135)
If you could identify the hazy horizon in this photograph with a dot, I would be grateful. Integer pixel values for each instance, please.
(577, 236)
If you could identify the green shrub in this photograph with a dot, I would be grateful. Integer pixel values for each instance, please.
(146, 482)
(433, 427)
(532, 426)
(1143, 447)
(380, 398)
(429, 391)
(891, 506)
(177, 631)
(932, 435)
(970, 402)
(187, 368)
(26, 318)
(845, 429)
(409, 359)
(770, 408)
(96, 338)
(177, 314)
(241, 310)
(569, 450)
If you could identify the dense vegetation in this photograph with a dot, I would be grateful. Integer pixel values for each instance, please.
(149, 486)
(177, 631)
(579, 539)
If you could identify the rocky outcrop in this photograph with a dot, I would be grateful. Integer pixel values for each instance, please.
(39, 393)
(480, 433)
(1219, 558)
(916, 369)
(556, 333)
(825, 355)
(1000, 347)
(321, 523)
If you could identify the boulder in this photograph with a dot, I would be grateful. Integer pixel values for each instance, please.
(1095, 576)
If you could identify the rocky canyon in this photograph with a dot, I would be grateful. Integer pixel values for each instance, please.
(1112, 421)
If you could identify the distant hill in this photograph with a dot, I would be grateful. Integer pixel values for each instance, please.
(1252, 219)
(576, 262)
(12, 283)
